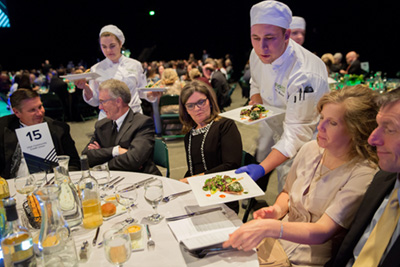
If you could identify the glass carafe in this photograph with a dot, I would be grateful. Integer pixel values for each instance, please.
(56, 246)
(90, 197)
(70, 203)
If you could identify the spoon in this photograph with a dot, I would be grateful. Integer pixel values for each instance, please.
(150, 242)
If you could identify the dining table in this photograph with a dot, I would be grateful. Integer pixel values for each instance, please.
(167, 250)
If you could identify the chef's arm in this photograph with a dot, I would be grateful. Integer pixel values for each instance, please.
(255, 99)
(273, 160)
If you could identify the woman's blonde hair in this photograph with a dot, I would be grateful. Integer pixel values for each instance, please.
(169, 76)
(360, 117)
(187, 91)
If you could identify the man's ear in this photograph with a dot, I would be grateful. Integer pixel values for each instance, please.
(16, 112)
(287, 34)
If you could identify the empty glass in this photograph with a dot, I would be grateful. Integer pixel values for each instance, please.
(126, 195)
(153, 193)
(101, 173)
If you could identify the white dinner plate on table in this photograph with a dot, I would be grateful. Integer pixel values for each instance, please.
(234, 114)
(205, 198)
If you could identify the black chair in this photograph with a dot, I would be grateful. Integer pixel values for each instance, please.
(160, 156)
(53, 106)
(170, 119)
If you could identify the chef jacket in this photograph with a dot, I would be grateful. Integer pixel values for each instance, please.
(294, 82)
(128, 70)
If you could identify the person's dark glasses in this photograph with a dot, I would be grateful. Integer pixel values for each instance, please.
(201, 103)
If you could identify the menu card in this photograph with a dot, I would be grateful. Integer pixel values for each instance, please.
(203, 230)
(37, 147)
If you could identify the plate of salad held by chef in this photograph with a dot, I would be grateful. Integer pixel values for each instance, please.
(252, 113)
(223, 187)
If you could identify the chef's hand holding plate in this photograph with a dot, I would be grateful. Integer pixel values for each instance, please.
(255, 171)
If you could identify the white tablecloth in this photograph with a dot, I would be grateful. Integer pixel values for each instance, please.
(167, 251)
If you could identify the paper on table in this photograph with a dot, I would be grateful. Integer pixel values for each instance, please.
(202, 230)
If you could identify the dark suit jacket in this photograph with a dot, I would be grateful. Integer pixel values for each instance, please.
(221, 87)
(136, 134)
(355, 68)
(59, 131)
(380, 187)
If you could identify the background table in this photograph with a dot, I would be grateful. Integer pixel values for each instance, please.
(167, 251)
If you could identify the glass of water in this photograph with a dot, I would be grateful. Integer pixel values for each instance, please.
(153, 193)
(117, 246)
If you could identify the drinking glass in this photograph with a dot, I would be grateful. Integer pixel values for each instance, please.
(101, 173)
(117, 246)
(25, 185)
(153, 193)
(127, 198)
(40, 178)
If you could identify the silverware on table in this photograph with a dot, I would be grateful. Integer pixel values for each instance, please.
(113, 180)
(95, 237)
(192, 214)
(111, 186)
(150, 242)
(172, 196)
(137, 185)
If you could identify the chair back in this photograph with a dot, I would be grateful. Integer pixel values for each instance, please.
(166, 100)
(53, 106)
(160, 156)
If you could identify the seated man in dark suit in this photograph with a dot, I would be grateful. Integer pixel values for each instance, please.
(28, 110)
(124, 139)
(368, 243)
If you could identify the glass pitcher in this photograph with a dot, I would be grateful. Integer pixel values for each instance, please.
(70, 203)
(56, 246)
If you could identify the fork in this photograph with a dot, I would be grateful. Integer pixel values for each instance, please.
(150, 242)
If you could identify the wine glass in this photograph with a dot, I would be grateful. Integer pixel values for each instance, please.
(126, 195)
(40, 178)
(117, 245)
(101, 173)
(153, 193)
(25, 185)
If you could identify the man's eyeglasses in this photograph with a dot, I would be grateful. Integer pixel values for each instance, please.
(201, 103)
(101, 102)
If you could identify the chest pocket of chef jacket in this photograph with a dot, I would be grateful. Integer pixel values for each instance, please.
(301, 105)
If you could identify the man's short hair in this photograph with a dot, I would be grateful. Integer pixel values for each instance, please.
(20, 95)
(389, 97)
(116, 89)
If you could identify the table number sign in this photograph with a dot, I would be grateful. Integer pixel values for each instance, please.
(37, 147)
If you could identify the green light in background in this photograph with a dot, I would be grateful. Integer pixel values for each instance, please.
(152, 13)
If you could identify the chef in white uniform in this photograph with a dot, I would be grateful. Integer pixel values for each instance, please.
(298, 29)
(287, 76)
(114, 66)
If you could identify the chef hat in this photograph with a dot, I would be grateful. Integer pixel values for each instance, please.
(114, 30)
(271, 12)
(298, 23)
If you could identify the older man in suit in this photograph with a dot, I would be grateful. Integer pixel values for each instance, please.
(28, 110)
(124, 139)
(374, 240)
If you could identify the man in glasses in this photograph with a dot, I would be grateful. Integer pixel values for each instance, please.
(124, 139)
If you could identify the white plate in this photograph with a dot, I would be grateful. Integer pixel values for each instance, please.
(155, 89)
(234, 114)
(87, 76)
(197, 183)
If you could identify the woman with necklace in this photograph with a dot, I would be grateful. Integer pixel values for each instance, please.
(324, 187)
(212, 143)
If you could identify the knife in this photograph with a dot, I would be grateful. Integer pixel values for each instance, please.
(192, 214)
(137, 185)
(95, 237)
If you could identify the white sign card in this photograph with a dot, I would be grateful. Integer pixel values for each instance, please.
(37, 147)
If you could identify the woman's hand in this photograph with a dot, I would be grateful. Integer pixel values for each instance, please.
(248, 236)
(271, 212)
(184, 180)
